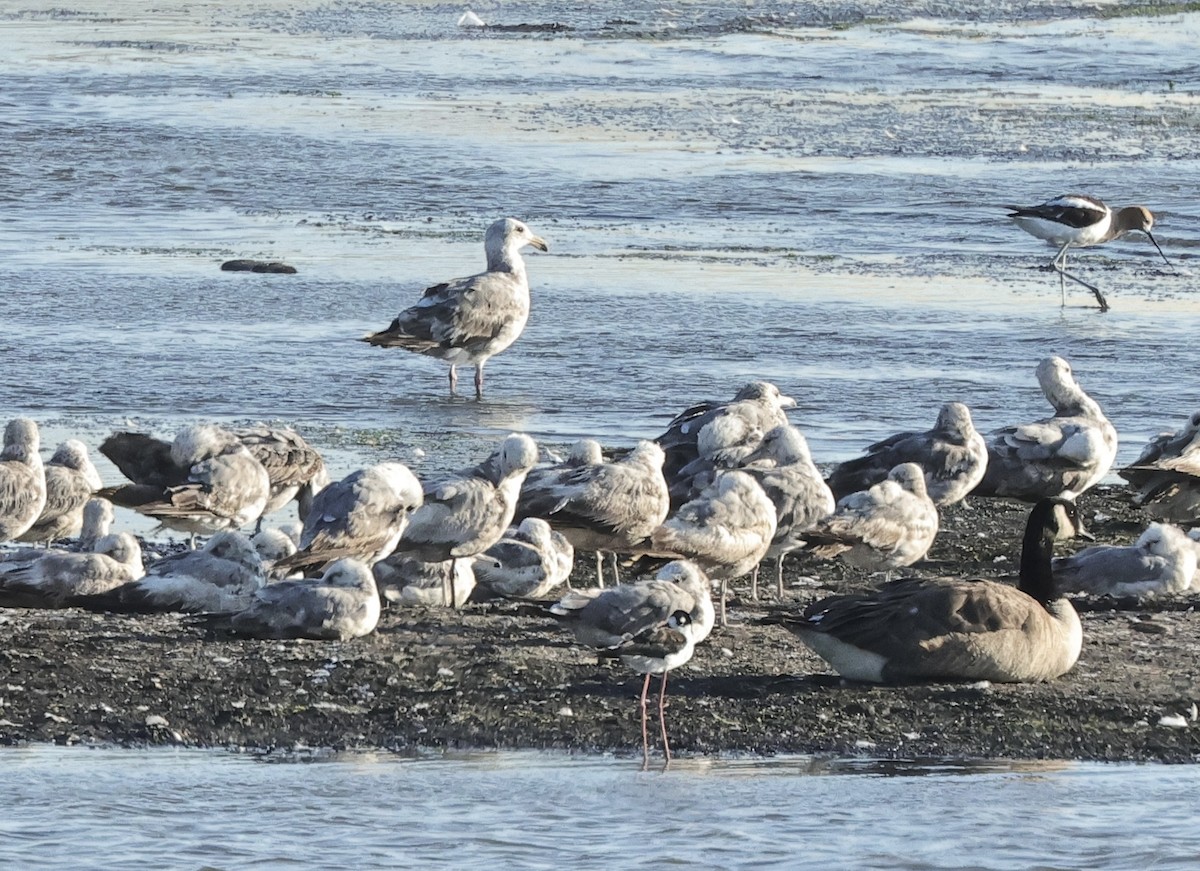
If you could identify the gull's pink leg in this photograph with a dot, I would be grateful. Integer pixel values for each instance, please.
(645, 736)
(662, 718)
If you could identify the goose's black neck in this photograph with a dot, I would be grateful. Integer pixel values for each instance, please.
(1037, 551)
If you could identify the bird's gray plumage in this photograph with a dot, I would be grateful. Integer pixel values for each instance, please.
(51, 581)
(528, 562)
(1162, 560)
(293, 466)
(22, 479)
(1166, 475)
(403, 579)
(71, 479)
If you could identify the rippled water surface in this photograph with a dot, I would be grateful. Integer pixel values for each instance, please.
(70, 808)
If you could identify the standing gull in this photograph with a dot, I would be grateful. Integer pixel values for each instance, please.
(888, 526)
(468, 513)
(637, 621)
(469, 320)
(952, 454)
(342, 604)
(1059, 456)
(294, 467)
(1081, 221)
(726, 530)
(724, 432)
(71, 479)
(1162, 560)
(610, 507)
(22, 479)
(205, 481)
(361, 516)
(1166, 475)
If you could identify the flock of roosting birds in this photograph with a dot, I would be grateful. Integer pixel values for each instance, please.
(727, 486)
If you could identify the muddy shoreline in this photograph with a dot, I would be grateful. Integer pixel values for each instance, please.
(499, 676)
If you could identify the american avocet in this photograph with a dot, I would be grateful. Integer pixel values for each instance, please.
(1063, 455)
(1076, 220)
(954, 629)
(952, 454)
(70, 481)
(1162, 560)
(470, 320)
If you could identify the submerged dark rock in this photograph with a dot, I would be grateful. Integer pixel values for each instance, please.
(273, 266)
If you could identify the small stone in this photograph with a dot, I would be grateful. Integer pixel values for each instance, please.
(1193, 713)
(864, 744)
(727, 653)
(980, 685)
(565, 711)
(1173, 721)
(154, 721)
(445, 672)
(55, 718)
(911, 736)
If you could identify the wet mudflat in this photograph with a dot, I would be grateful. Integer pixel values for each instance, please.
(500, 676)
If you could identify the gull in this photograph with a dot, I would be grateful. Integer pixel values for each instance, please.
(887, 526)
(403, 579)
(1162, 560)
(1059, 456)
(361, 516)
(1081, 221)
(97, 523)
(467, 513)
(295, 468)
(723, 431)
(726, 530)
(205, 481)
(1166, 475)
(601, 506)
(955, 629)
(342, 604)
(628, 620)
(22, 479)
(953, 455)
(70, 481)
(222, 576)
(470, 320)
(273, 545)
(57, 576)
(528, 562)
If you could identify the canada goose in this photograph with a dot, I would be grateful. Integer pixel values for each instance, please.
(1063, 455)
(956, 629)
(1162, 560)
(952, 454)
(470, 320)
(1166, 475)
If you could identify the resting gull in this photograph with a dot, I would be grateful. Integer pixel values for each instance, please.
(726, 530)
(887, 526)
(342, 604)
(467, 513)
(652, 625)
(601, 506)
(222, 576)
(1059, 456)
(1166, 475)
(953, 455)
(272, 546)
(71, 479)
(723, 431)
(528, 562)
(403, 579)
(205, 481)
(22, 479)
(50, 581)
(470, 320)
(361, 516)
(1162, 560)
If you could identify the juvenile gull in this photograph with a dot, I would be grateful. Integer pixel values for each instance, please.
(726, 530)
(1163, 560)
(222, 576)
(1059, 456)
(71, 479)
(206, 481)
(469, 320)
(1081, 221)
(652, 625)
(361, 516)
(97, 523)
(272, 546)
(952, 454)
(528, 562)
(295, 468)
(342, 604)
(724, 432)
(22, 479)
(610, 507)
(784, 468)
(917, 629)
(466, 514)
(403, 579)
(1166, 476)
(887, 526)
(50, 581)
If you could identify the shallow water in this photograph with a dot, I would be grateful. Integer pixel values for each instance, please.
(211, 810)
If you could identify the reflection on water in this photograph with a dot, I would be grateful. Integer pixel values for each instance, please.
(69, 808)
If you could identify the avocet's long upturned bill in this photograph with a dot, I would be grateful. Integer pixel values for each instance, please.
(469, 320)
(1081, 221)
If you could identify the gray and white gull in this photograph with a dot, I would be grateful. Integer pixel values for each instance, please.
(22, 479)
(1166, 475)
(56, 577)
(1162, 560)
(71, 479)
(528, 562)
